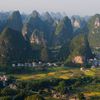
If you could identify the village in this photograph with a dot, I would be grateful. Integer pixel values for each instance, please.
(35, 64)
(94, 62)
(44, 66)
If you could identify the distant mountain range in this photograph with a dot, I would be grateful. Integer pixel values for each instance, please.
(47, 37)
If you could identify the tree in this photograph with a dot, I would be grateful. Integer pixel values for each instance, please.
(7, 91)
(5, 98)
(34, 97)
(19, 97)
(44, 54)
(61, 87)
(81, 96)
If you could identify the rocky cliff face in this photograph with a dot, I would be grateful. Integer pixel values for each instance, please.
(38, 38)
(97, 23)
(79, 25)
(78, 60)
(75, 23)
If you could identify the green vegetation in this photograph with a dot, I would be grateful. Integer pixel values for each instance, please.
(33, 41)
(94, 36)
(34, 97)
(61, 81)
(79, 47)
(13, 47)
(63, 31)
(52, 44)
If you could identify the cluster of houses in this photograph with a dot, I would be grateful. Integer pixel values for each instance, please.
(3, 80)
(34, 64)
(24, 65)
(95, 62)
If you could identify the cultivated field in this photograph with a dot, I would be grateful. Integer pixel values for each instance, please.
(89, 90)
(59, 72)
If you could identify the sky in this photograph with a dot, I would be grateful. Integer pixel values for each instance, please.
(70, 7)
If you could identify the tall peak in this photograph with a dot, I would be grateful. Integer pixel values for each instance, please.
(15, 21)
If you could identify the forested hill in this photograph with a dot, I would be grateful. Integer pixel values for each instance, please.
(47, 38)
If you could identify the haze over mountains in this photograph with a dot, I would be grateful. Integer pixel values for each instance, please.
(47, 37)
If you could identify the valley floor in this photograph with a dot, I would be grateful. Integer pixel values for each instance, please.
(91, 89)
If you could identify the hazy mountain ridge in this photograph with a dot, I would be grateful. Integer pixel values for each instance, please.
(46, 37)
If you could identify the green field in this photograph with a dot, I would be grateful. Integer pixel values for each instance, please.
(65, 73)
(59, 72)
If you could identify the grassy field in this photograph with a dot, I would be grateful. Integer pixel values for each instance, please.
(63, 73)
(59, 72)
(89, 90)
